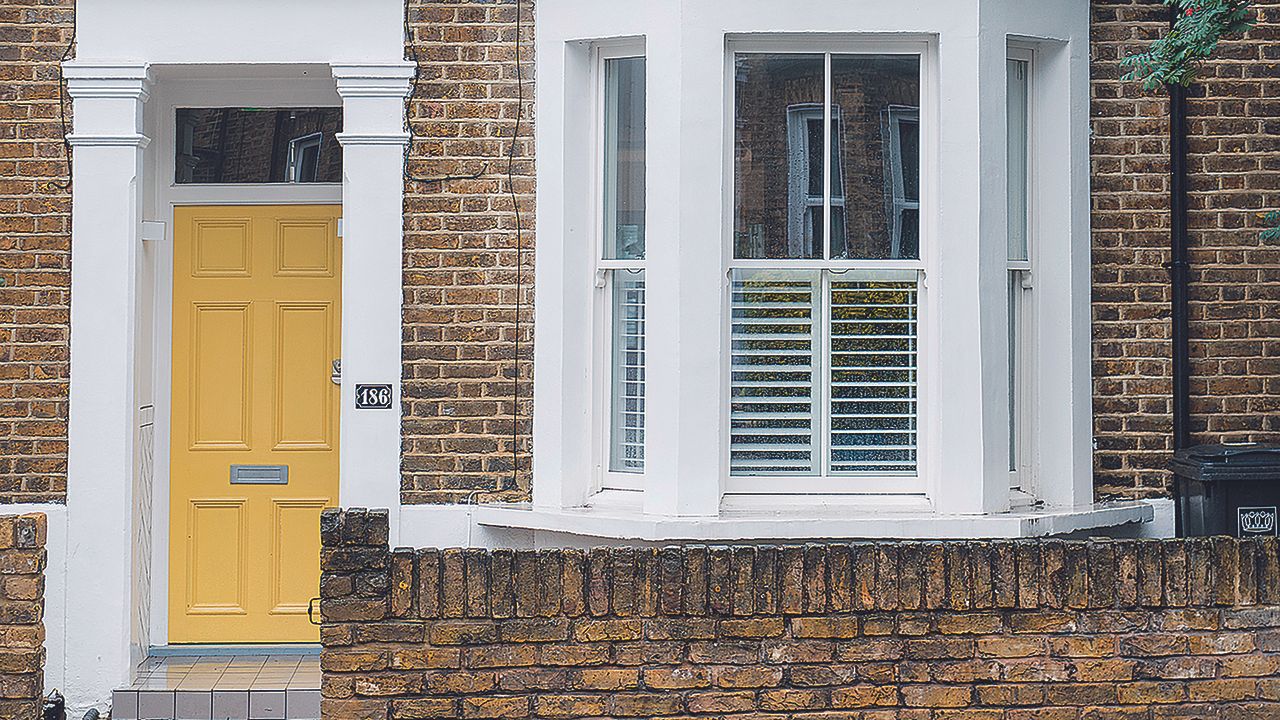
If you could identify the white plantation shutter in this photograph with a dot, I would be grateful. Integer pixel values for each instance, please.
(809, 342)
(873, 375)
(772, 413)
(628, 372)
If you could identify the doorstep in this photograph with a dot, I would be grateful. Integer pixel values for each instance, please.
(251, 685)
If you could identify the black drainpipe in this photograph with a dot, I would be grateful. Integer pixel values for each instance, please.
(1179, 275)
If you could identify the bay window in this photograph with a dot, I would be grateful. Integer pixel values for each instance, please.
(788, 271)
(824, 274)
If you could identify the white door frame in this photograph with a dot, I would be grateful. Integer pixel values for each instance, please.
(167, 97)
(123, 186)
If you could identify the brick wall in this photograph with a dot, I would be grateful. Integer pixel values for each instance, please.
(885, 631)
(1235, 310)
(22, 565)
(460, 257)
(34, 253)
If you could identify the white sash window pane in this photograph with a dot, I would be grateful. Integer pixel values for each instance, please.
(624, 158)
(1018, 112)
(627, 386)
(875, 147)
(778, 155)
(874, 373)
(773, 406)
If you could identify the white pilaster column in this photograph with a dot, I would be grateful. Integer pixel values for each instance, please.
(685, 279)
(108, 154)
(373, 139)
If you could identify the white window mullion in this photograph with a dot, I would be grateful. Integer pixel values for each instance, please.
(822, 364)
(826, 156)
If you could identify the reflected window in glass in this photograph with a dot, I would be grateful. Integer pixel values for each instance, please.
(258, 145)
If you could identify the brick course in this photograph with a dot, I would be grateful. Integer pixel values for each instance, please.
(34, 253)
(904, 631)
(22, 565)
(1234, 124)
(460, 255)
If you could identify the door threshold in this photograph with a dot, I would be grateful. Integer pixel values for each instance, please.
(247, 649)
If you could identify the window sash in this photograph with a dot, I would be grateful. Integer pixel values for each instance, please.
(1020, 293)
(620, 267)
(819, 455)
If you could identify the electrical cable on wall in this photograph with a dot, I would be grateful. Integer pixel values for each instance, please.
(408, 126)
(515, 204)
(62, 107)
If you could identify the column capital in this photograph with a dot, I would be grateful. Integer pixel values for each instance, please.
(373, 98)
(122, 81)
(375, 81)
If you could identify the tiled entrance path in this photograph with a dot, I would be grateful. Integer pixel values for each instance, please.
(223, 687)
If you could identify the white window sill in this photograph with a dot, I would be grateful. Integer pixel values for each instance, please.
(799, 523)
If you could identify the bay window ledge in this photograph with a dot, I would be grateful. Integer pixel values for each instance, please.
(798, 523)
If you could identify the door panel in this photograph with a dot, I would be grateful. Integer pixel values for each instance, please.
(221, 372)
(292, 538)
(256, 316)
(216, 585)
(303, 409)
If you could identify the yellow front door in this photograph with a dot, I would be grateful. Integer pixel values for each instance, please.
(254, 440)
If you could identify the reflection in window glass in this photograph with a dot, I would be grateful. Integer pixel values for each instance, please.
(1018, 110)
(777, 97)
(877, 98)
(824, 374)
(874, 165)
(624, 168)
(255, 145)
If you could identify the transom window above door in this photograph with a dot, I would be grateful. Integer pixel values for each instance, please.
(258, 145)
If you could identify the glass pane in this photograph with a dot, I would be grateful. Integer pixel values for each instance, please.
(873, 373)
(777, 96)
(1019, 141)
(909, 147)
(772, 410)
(877, 99)
(624, 158)
(909, 233)
(628, 381)
(813, 159)
(256, 145)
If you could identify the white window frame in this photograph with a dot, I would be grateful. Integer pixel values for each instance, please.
(867, 486)
(898, 204)
(799, 201)
(1024, 382)
(297, 147)
(606, 480)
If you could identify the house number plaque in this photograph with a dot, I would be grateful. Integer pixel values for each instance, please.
(373, 397)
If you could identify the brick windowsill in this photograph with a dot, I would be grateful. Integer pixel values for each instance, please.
(798, 523)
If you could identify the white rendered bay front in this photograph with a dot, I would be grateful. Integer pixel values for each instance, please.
(825, 295)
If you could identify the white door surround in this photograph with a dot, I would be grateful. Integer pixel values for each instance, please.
(125, 83)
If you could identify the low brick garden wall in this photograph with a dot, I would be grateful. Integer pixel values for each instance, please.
(22, 565)
(1105, 630)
